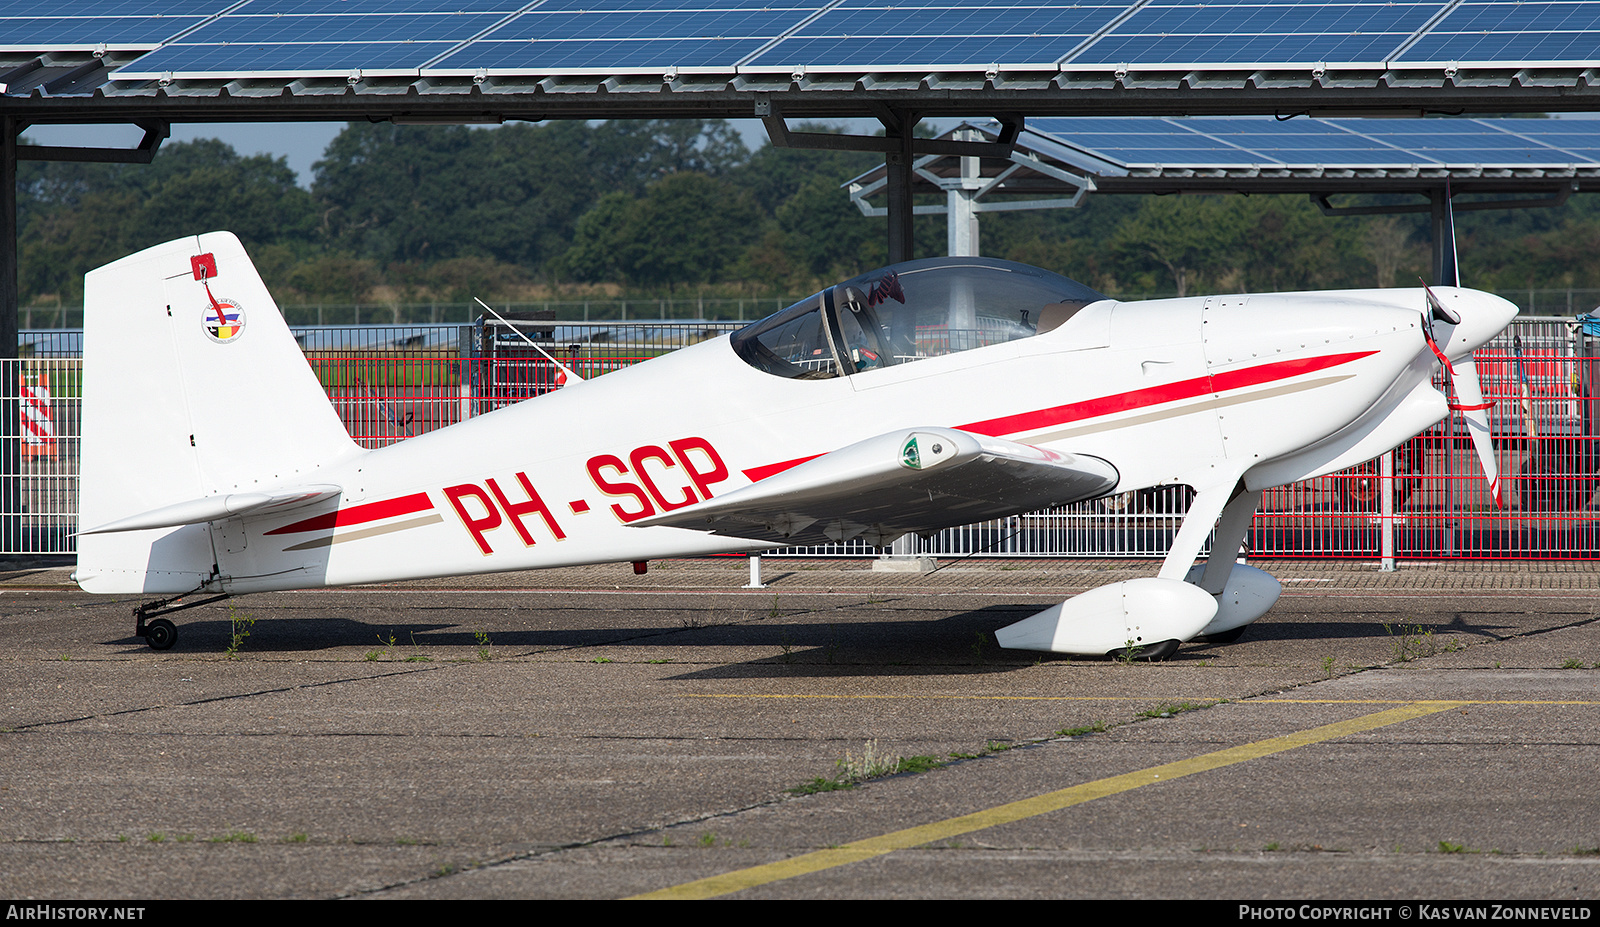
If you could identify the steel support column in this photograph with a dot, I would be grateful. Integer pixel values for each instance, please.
(899, 126)
(10, 446)
(961, 209)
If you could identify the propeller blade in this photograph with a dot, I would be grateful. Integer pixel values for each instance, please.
(1438, 310)
(1469, 393)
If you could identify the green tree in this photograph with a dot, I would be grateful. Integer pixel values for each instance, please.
(78, 217)
(688, 228)
(1184, 238)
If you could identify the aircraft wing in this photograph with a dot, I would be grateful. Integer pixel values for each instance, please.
(911, 481)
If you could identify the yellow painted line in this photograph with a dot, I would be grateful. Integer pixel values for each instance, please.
(974, 698)
(1393, 701)
(1032, 807)
(1145, 700)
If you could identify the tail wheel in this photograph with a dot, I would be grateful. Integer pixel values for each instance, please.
(160, 634)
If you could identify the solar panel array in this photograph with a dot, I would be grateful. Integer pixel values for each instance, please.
(243, 38)
(1333, 144)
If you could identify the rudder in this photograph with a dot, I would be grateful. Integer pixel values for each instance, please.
(193, 387)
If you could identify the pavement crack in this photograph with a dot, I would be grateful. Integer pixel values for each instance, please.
(278, 690)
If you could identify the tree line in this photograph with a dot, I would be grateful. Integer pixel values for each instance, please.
(676, 208)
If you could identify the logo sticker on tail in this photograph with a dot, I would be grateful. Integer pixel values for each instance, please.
(224, 321)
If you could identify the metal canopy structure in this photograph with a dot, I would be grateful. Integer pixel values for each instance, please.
(233, 60)
(155, 62)
(1056, 162)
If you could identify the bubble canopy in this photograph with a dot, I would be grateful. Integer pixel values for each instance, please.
(909, 312)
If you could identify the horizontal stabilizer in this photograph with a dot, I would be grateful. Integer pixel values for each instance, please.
(914, 480)
(214, 508)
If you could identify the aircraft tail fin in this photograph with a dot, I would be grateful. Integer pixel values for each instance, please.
(193, 387)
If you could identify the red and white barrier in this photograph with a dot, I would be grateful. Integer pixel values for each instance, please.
(38, 426)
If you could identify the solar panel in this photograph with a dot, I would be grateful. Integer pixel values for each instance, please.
(1163, 143)
(114, 24)
(939, 35)
(1225, 33)
(455, 37)
(121, 8)
(1568, 136)
(90, 31)
(568, 36)
(586, 56)
(292, 37)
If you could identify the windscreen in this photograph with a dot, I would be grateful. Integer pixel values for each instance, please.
(909, 312)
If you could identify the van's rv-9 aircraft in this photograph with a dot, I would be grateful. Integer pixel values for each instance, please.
(926, 395)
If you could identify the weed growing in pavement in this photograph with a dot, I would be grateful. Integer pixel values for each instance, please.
(241, 625)
(980, 640)
(1411, 642)
(386, 648)
(870, 764)
(1168, 710)
(1099, 727)
(485, 646)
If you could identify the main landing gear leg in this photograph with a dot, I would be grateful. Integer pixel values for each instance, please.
(1243, 593)
(157, 631)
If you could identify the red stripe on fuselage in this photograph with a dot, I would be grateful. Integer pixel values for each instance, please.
(1156, 395)
(1123, 402)
(360, 514)
(757, 474)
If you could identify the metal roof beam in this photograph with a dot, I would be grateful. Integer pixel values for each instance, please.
(154, 134)
(1558, 196)
(780, 136)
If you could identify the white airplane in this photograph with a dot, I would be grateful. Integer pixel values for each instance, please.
(926, 395)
